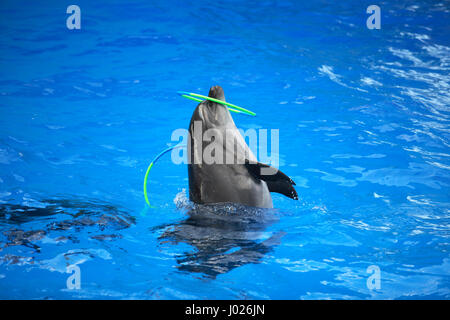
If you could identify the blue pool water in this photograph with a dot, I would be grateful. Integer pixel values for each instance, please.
(364, 131)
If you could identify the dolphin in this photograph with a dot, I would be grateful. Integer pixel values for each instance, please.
(242, 181)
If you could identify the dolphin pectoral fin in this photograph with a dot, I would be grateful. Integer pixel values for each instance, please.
(276, 182)
(283, 188)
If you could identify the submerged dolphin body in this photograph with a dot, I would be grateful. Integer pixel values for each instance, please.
(242, 180)
(221, 240)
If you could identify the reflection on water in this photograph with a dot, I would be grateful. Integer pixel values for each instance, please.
(58, 221)
(224, 237)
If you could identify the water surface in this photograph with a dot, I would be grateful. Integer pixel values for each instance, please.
(364, 132)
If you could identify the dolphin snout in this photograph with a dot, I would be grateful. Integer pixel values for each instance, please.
(216, 92)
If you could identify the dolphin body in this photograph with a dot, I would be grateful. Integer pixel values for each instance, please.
(242, 180)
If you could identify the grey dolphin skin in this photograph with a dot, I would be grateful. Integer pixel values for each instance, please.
(241, 181)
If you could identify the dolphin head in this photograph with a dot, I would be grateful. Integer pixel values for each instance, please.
(216, 113)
